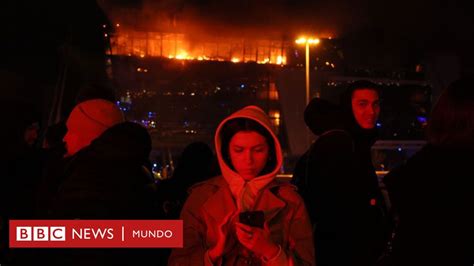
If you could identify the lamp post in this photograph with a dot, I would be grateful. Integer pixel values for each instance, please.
(307, 42)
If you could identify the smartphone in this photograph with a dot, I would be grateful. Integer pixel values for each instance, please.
(252, 218)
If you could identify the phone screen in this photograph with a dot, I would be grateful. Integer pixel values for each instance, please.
(252, 218)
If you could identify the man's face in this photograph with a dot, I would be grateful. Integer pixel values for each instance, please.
(72, 143)
(74, 139)
(366, 107)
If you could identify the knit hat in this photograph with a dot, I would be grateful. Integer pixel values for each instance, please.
(88, 120)
(96, 114)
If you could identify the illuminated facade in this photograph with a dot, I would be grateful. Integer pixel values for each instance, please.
(179, 46)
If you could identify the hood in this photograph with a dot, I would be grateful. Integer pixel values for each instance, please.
(321, 116)
(243, 191)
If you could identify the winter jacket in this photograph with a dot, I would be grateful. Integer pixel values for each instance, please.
(106, 180)
(216, 203)
(109, 179)
(434, 202)
(338, 183)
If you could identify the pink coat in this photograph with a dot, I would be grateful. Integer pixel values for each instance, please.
(211, 203)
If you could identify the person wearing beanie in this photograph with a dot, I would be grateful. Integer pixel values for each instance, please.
(87, 121)
(245, 216)
(337, 179)
(107, 175)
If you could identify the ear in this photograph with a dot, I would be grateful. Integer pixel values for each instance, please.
(265, 227)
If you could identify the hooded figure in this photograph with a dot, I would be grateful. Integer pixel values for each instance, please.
(430, 192)
(337, 180)
(249, 156)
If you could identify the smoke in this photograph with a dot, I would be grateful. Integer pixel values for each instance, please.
(251, 18)
(373, 28)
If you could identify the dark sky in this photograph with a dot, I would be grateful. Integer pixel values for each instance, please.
(415, 19)
(370, 28)
(390, 29)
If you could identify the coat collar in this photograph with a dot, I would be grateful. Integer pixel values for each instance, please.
(221, 204)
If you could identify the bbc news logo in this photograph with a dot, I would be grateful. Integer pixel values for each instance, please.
(96, 233)
(41, 233)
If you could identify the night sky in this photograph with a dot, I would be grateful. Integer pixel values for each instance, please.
(375, 33)
(418, 20)
(382, 30)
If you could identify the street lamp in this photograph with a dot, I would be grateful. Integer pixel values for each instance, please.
(307, 42)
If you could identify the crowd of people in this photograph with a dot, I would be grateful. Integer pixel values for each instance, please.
(234, 209)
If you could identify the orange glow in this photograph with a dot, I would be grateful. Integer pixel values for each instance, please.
(183, 55)
(301, 40)
(275, 116)
(178, 46)
(281, 60)
(273, 93)
(304, 40)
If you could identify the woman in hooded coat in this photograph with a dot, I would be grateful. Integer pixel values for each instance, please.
(249, 156)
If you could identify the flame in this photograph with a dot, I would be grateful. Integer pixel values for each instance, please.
(177, 47)
(281, 60)
(182, 55)
(264, 61)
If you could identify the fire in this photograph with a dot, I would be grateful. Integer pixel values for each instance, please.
(183, 55)
(281, 60)
(177, 46)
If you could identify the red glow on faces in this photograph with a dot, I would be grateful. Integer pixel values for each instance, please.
(248, 152)
(366, 107)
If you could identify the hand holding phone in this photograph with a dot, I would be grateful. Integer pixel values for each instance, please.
(252, 218)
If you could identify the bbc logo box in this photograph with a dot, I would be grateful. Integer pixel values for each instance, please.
(40, 233)
(95, 234)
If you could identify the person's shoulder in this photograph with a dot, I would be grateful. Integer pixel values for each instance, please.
(335, 140)
(216, 181)
(286, 191)
(336, 135)
(207, 187)
(200, 192)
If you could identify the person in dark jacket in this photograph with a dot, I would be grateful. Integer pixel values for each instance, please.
(338, 181)
(431, 192)
(196, 164)
(110, 178)
(107, 176)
